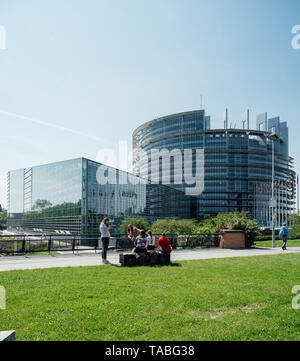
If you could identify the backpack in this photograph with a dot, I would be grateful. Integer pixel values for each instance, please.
(283, 231)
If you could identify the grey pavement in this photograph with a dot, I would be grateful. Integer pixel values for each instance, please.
(92, 259)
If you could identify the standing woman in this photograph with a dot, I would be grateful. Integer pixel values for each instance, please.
(105, 235)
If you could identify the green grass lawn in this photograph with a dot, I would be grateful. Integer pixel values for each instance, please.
(219, 299)
(291, 243)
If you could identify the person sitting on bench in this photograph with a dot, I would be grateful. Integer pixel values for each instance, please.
(164, 245)
(140, 242)
(133, 233)
(150, 243)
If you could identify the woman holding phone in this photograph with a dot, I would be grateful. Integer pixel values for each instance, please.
(105, 235)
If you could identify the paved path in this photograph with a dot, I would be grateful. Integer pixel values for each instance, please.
(92, 259)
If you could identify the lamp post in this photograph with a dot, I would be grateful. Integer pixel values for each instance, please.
(274, 137)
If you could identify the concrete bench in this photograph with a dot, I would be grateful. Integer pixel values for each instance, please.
(8, 336)
(145, 259)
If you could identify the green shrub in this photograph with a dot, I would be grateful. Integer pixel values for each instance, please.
(139, 222)
(294, 221)
(204, 229)
(3, 220)
(174, 226)
(234, 221)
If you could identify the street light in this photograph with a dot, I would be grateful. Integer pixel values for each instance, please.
(274, 137)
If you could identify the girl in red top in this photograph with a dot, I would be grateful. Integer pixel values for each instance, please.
(164, 244)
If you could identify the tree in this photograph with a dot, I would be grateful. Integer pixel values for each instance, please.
(3, 220)
(139, 222)
(41, 203)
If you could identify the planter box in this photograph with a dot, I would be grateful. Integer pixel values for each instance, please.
(232, 239)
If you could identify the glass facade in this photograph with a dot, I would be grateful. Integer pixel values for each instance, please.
(237, 163)
(128, 196)
(73, 196)
(52, 197)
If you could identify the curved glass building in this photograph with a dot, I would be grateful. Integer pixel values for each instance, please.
(225, 170)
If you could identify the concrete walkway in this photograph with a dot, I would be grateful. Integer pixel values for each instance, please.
(92, 259)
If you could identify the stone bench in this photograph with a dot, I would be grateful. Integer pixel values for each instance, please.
(145, 259)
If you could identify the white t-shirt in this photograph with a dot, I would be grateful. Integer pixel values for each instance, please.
(151, 240)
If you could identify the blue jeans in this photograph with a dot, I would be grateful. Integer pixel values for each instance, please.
(284, 239)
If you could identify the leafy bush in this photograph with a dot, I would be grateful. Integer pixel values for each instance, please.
(294, 221)
(204, 229)
(174, 226)
(266, 238)
(3, 220)
(140, 223)
(234, 221)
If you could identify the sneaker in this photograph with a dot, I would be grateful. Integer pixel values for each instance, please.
(107, 262)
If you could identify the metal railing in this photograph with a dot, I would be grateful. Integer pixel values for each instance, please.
(29, 243)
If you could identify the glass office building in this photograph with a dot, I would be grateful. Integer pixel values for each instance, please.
(233, 167)
(73, 196)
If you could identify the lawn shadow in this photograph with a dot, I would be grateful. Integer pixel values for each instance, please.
(262, 248)
(172, 264)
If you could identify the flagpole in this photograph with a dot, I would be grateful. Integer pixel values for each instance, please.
(298, 194)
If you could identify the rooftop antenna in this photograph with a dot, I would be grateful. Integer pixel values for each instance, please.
(201, 101)
(246, 120)
(225, 117)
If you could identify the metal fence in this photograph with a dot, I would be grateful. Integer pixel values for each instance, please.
(25, 243)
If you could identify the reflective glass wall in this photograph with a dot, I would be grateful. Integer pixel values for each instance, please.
(48, 196)
(72, 197)
(116, 194)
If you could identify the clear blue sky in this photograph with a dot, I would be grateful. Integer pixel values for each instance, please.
(103, 67)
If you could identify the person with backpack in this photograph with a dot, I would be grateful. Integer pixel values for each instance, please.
(284, 233)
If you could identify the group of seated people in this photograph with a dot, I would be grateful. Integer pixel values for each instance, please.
(146, 243)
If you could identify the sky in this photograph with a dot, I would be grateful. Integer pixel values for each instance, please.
(79, 76)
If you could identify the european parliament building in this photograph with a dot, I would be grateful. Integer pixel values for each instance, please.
(234, 166)
(182, 168)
